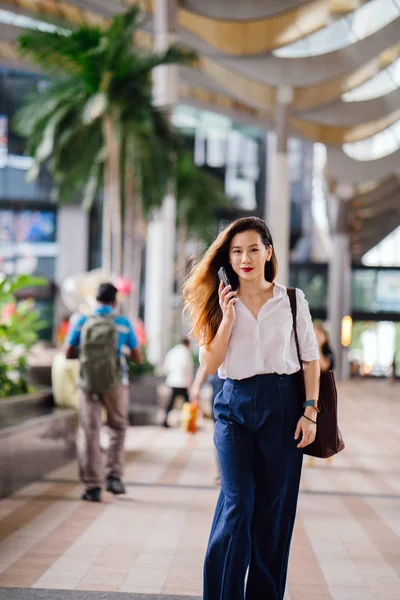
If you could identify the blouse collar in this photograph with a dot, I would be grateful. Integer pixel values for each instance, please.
(278, 292)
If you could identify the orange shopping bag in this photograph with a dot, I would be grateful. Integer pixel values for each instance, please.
(189, 417)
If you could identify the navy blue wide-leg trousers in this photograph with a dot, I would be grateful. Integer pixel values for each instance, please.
(260, 464)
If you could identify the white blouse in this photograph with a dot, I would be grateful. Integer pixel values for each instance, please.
(267, 344)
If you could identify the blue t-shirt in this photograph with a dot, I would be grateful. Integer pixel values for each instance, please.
(126, 335)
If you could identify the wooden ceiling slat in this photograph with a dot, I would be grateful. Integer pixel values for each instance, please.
(336, 136)
(261, 35)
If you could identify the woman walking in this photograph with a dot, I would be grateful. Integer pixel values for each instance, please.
(246, 332)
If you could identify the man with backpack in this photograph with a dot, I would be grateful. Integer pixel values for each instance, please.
(101, 342)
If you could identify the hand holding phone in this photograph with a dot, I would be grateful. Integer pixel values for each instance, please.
(227, 297)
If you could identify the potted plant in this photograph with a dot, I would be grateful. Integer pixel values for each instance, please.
(19, 327)
(143, 392)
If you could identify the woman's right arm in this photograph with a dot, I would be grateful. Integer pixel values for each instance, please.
(213, 354)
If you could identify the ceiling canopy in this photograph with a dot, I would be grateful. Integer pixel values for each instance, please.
(340, 57)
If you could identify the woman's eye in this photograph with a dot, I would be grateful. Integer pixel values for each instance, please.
(255, 250)
(236, 252)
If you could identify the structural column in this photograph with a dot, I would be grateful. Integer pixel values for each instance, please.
(160, 253)
(277, 209)
(339, 287)
(72, 257)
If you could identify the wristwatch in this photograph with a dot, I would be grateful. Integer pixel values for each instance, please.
(314, 404)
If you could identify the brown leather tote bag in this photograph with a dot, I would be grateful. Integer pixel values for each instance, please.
(328, 440)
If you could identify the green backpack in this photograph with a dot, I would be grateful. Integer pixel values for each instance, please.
(98, 357)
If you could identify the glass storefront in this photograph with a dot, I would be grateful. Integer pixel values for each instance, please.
(313, 280)
(375, 291)
(28, 219)
(375, 349)
(375, 346)
(233, 152)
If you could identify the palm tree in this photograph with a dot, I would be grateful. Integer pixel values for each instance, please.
(96, 126)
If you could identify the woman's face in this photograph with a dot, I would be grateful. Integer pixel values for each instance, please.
(248, 255)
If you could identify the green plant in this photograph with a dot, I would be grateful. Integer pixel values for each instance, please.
(137, 370)
(19, 328)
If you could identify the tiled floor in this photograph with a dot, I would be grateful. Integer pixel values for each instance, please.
(346, 544)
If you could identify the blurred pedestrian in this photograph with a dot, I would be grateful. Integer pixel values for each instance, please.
(245, 327)
(327, 363)
(100, 341)
(140, 332)
(62, 330)
(326, 356)
(393, 369)
(178, 367)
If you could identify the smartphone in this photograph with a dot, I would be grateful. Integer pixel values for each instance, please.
(223, 276)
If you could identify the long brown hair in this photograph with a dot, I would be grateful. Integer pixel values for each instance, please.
(200, 291)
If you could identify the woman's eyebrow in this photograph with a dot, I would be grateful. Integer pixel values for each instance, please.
(251, 246)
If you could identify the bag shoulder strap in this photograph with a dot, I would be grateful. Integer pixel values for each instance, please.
(107, 317)
(111, 317)
(291, 292)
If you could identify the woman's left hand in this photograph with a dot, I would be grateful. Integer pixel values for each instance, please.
(307, 431)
